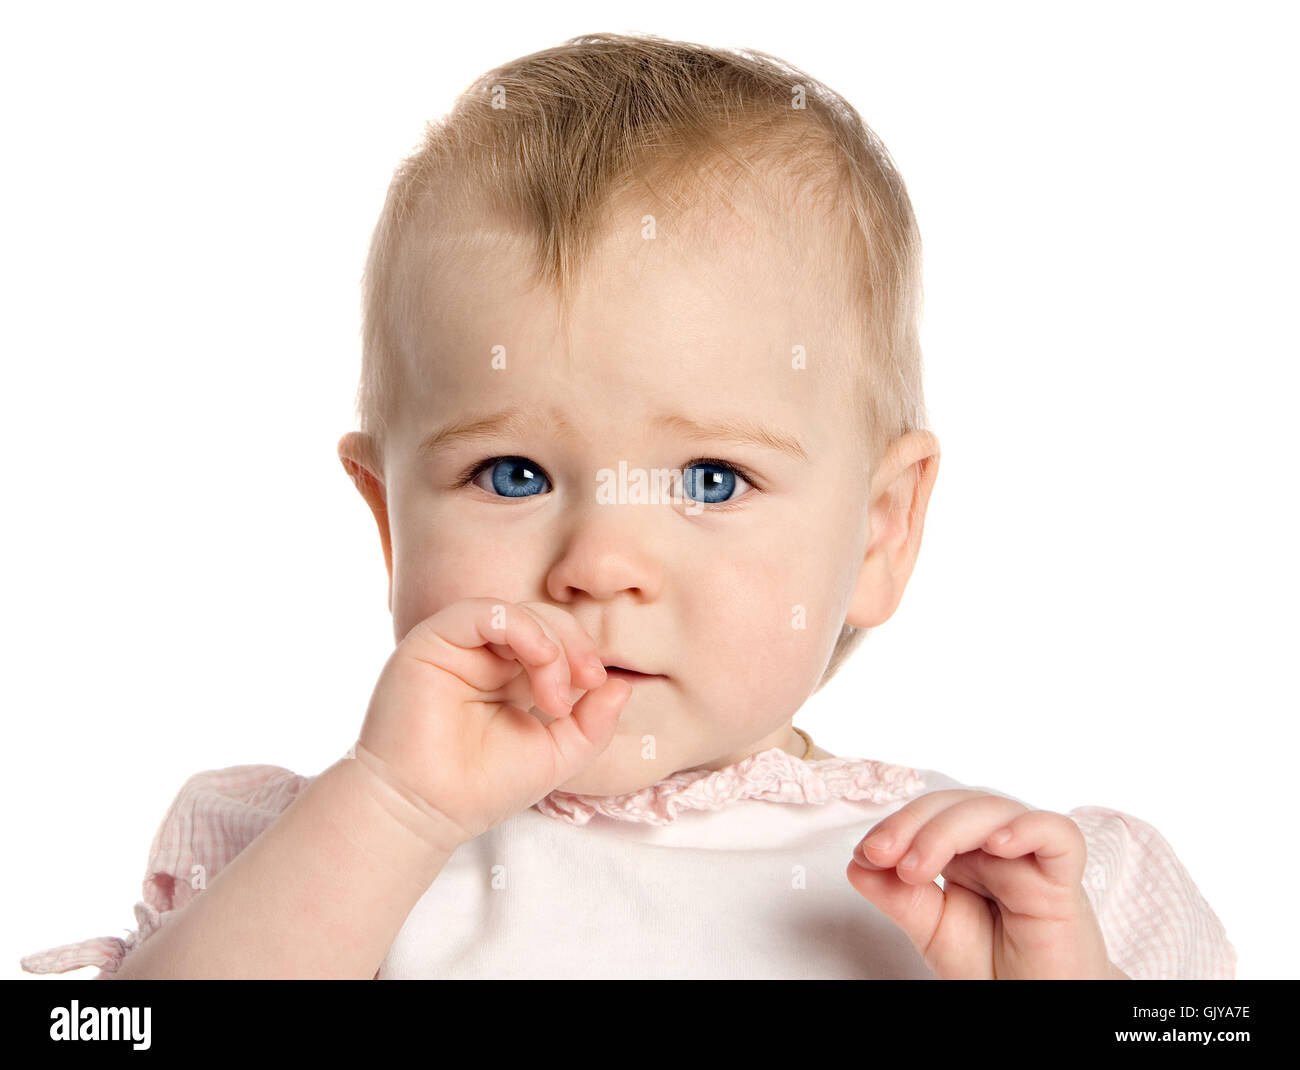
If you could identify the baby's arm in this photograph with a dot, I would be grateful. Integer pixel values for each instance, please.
(446, 752)
(321, 893)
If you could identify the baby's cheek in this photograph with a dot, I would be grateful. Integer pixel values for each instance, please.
(432, 575)
(769, 646)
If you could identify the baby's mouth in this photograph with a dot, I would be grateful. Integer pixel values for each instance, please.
(617, 672)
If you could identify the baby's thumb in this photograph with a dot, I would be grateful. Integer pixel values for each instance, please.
(580, 737)
(950, 927)
(914, 908)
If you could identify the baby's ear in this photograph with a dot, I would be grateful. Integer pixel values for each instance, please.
(360, 460)
(900, 494)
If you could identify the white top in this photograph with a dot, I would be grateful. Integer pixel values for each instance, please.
(753, 891)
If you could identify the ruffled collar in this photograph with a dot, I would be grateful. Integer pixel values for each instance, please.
(772, 775)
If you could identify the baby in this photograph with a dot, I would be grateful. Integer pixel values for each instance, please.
(642, 432)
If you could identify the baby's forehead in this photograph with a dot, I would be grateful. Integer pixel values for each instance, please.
(714, 317)
(708, 255)
(723, 296)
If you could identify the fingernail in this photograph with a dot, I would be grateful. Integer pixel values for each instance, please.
(879, 841)
(910, 859)
(1001, 836)
(595, 666)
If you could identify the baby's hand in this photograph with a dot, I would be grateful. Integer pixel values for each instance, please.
(449, 716)
(1014, 908)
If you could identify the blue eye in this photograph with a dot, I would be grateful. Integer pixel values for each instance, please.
(710, 488)
(512, 477)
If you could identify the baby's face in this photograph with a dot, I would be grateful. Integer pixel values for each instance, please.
(736, 592)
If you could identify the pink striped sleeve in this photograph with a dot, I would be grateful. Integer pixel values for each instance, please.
(214, 816)
(1156, 923)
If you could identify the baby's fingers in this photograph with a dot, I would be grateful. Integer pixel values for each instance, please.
(1053, 839)
(454, 638)
(963, 827)
(547, 664)
(580, 669)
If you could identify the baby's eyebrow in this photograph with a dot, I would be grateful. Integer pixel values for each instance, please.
(493, 425)
(740, 429)
(733, 429)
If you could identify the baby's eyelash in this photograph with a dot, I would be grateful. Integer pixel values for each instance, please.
(473, 470)
(727, 466)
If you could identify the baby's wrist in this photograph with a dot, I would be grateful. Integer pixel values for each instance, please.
(404, 805)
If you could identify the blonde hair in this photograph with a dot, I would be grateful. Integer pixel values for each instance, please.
(548, 142)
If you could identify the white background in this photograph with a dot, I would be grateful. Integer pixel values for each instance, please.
(1103, 609)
